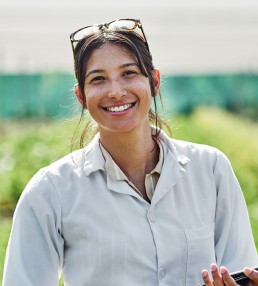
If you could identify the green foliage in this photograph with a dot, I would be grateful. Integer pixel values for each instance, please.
(26, 147)
(235, 136)
(5, 227)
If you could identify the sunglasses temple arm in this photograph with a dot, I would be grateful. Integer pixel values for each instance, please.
(145, 39)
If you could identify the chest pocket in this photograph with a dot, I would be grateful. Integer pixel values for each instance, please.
(200, 252)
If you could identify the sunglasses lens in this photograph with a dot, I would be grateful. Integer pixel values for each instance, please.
(122, 25)
(85, 32)
(127, 25)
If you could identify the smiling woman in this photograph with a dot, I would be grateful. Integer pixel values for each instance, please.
(129, 42)
(134, 206)
(116, 93)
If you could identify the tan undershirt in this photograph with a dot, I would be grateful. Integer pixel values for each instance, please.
(116, 174)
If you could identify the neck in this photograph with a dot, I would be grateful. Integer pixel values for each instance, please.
(136, 153)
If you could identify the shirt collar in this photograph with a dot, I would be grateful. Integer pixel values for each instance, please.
(95, 159)
(181, 158)
(115, 173)
(159, 165)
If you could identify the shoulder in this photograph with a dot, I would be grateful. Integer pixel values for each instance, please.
(195, 149)
(69, 164)
(190, 149)
(203, 155)
(45, 182)
(198, 155)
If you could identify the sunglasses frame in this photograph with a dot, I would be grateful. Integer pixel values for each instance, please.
(137, 23)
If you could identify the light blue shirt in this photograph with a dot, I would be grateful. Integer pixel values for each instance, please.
(73, 217)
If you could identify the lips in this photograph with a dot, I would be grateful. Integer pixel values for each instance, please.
(120, 108)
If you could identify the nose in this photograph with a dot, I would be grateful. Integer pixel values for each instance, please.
(116, 89)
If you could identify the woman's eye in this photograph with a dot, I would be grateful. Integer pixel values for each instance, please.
(97, 79)
(129, 72)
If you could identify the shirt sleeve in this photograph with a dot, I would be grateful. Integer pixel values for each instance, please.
(234, 241)
(35, 250)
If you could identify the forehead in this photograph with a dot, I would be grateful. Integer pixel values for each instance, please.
(111, 52)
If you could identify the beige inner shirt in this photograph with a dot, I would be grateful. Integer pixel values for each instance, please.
(116, 174)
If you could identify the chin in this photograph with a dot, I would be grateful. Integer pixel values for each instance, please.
(118, 128)
(125, 126)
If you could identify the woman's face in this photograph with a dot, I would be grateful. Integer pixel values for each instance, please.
(118, 95)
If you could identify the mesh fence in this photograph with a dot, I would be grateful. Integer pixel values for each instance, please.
(51, 95)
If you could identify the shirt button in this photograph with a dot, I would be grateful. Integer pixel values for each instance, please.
(152, 217)
(162, 274)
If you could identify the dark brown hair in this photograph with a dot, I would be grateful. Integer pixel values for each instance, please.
(134, 44)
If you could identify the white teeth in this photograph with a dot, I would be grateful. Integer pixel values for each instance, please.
(119, 108)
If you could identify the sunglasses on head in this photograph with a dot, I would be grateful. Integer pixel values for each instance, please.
(116, 25)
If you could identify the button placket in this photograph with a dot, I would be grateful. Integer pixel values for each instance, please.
(162, 274)
(152, 217)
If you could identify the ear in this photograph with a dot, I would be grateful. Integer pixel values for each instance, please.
(156, 81)
(79, 96)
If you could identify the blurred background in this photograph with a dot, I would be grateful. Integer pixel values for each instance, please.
(206, 51)
(208, 57)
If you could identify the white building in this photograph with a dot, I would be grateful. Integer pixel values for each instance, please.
(208, 36)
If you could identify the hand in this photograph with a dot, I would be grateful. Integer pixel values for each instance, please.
(222, 277)
(252, 274)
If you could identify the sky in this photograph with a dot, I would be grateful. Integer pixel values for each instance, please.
(197, 36)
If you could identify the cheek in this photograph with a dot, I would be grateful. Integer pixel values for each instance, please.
(93, 95)
(142, 87)
(145, 92)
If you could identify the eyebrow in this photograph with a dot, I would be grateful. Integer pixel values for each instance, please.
(102, 70)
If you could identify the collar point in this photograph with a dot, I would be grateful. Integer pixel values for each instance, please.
(183, 160)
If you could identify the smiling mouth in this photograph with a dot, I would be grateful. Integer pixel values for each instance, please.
(120, 108)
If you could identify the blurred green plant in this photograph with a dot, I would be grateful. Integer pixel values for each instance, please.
(5, 227)
(25, 147)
